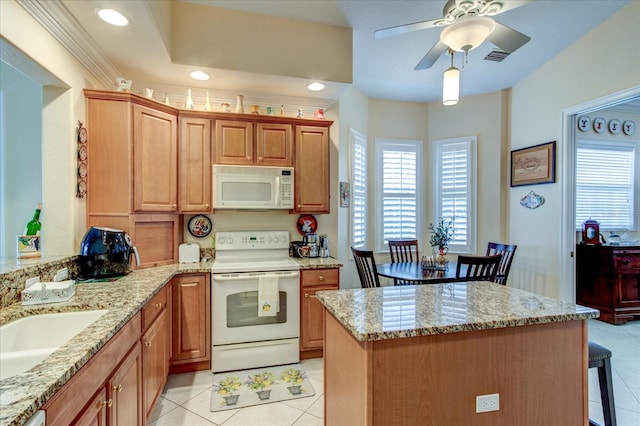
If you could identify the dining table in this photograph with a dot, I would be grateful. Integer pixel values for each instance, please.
(413, 271)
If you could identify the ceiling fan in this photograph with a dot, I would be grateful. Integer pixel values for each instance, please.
(467, 24)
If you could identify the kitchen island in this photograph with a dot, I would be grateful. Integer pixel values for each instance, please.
(412, 355)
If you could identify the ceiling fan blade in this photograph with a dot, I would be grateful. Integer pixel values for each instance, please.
(432, 56)
(406, 28)
(507, 38)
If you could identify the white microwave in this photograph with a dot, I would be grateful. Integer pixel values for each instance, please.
(252, 187)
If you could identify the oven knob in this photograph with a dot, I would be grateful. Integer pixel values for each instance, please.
(229, 240)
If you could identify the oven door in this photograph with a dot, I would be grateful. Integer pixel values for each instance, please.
(234, 313)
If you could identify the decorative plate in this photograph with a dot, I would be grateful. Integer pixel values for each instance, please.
(614, 126)
(629, 127)
(82, 153)
(599, 124)
(584, 123)
(82, 134)
(532, 200)
(306, 224)
(200, 226)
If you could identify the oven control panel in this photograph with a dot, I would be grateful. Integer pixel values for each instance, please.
(244, 240)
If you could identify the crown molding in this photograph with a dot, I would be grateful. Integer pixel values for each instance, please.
(60, 23)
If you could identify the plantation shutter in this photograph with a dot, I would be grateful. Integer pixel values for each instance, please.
(358, 190)
(605, 177)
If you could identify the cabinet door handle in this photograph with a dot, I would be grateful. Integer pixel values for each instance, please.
(147, 343)
(321, 278)
(107, 403)
(117, 388)
(174, 206)
(206, 206)
(158, 305)
(307, 296)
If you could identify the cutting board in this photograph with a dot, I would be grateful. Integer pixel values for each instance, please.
(189, 253)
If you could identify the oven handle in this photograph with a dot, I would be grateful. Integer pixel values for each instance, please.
(244, 276)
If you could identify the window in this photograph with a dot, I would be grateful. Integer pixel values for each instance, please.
(398, 173)
(358, 149)
(606, 174)
(455, 189)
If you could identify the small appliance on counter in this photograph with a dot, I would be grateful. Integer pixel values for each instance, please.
(106, 252)
(189, 253)
(323, 244)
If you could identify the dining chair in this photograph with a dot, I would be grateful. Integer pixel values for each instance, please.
(507, 251)
(403, 251)
(478, 268)
(366, 265)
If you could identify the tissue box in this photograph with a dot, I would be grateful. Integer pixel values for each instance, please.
(48, 292)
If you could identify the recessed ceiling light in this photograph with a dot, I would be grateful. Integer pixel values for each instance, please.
(199, 75)
(113, 17)
(315, 87)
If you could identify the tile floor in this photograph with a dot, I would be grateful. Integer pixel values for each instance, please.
(186, 398)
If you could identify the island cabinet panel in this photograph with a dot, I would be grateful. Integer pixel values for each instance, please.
(435, 379)
(274, 144)
(234, 142)
(608, 279)
(312, 169)
(195, 165)
(311, 318)
(191, 327)
(155, 156)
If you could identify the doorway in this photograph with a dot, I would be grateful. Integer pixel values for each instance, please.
(569, 124)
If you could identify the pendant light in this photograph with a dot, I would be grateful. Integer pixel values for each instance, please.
(451, 84)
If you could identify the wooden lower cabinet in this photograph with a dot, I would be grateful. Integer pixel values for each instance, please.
(125, 391)
(311, 310)
(191, 324)
(88, 397)
(155, 360)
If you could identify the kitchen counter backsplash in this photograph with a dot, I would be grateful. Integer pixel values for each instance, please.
(14, 274)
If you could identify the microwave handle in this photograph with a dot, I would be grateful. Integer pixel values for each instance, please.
(277, 200)
(245, 276)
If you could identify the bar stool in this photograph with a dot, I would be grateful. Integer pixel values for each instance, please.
(600, 358)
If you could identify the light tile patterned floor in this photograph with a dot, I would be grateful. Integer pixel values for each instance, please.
(186, 398)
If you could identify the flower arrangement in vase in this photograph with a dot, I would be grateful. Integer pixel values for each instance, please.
(228, 387)
(293, 377)
(441, 236)
(261, 383)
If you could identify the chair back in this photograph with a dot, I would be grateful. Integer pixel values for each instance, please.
(507, 251)
(403, 251)
(479, 268)
(366, 265)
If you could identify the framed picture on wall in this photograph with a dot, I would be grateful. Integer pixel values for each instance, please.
(344, 194)
(534, 165)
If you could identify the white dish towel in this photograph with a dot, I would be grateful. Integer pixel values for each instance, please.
(268, 296)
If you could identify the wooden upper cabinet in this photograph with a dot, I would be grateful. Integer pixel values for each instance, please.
(274, 145)
(195, 165)
(312, 169)
(155, 156)
(233, 142)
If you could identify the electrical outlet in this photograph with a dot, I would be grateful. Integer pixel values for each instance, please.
(486, 403)
(61, 275)
(32, 281)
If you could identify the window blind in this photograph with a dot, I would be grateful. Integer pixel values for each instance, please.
(455, 189)
(399, 191)
(358, 190)
(605, 184)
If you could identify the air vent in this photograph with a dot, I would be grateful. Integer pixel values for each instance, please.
(496, 56)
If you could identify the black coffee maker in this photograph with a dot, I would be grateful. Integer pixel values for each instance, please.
(106, 252)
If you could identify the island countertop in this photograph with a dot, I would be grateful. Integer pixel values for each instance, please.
(408, 311)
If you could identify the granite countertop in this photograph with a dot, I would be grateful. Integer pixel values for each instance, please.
(406, 311)
(23, 394)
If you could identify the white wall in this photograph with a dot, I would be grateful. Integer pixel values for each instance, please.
(63, 107)
(575, 76)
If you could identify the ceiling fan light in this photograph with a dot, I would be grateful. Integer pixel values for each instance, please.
(113, 17)
(467, 33)
(451, 86)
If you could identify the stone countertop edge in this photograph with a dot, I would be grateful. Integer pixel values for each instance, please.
(22, 395)
(437, 309)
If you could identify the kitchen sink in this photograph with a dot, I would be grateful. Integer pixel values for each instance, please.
(27, 341)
